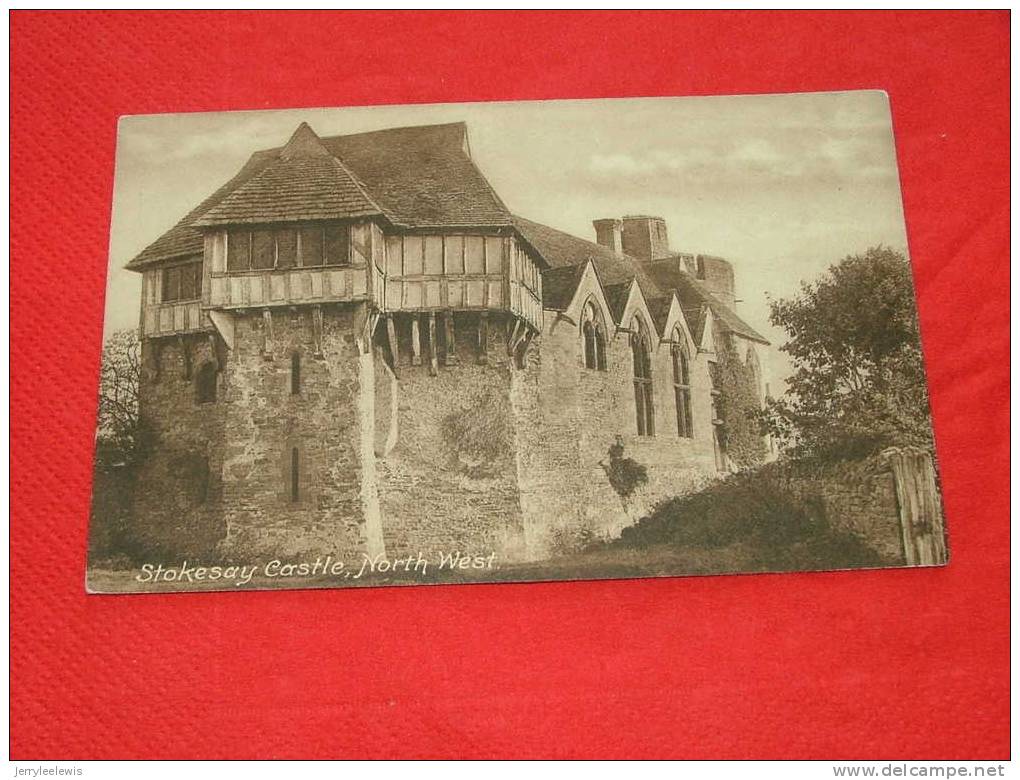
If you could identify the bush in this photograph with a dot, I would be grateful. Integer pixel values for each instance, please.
(625, 474)
(479, 436)
(754, 510)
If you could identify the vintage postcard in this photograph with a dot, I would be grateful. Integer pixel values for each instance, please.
(510, 342)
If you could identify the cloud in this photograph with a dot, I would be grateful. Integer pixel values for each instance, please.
(804, 159)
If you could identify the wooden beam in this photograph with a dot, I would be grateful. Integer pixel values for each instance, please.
(483, 338)
(415, 341)
(433, 359)
(214, 350)
(451, 346)
(391, 336)
(267, 334)
(185, 346)
(317, 331)
(525, 346)
(512, 341)
(365, 321)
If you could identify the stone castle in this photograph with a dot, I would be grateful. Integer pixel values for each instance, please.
(354, 346)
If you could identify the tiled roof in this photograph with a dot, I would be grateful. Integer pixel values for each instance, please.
(656, 280)
(416, 176)
(559, 285)
(562, 249)
(696, 319)
(616, 297)
(694, 296)
(422, 176)
(659, 309)
(304, 182)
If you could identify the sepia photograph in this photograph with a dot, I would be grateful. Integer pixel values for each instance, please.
(510, 342)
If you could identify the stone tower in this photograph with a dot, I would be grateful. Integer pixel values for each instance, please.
(273, 352)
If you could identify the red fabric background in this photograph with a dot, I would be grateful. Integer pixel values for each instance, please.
(891, 664)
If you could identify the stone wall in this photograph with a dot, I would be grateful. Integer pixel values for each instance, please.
(330, 423)
(487, 455)
(570, 416)
(450, 482)
(858, 497)
(176, 508)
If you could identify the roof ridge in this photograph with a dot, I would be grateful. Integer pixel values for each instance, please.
(303, 143)
(603, 247)
(433, 126)
(326, 138)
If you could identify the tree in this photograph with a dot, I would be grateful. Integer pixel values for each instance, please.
(858, 383)
(119, 430)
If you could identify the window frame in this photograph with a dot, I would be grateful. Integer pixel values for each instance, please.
(295, 373)
(178, 271)
(294, 486)
(644, 392)
(328, 234)
(593, 353)
(682, 385)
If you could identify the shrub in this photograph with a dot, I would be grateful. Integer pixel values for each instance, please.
(752, 509)
(479, 436)
(625, 474)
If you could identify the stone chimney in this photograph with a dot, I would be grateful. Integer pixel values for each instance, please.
(645, 237)
(608, 233)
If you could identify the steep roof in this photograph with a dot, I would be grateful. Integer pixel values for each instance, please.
(423, 176)
(694, 296)
(659, 309)
(616, 297)
(415, 176)
(562, 249)
(559, 284)
(303, 182)
(657, 280)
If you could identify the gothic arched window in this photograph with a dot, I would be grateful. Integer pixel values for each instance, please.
(641, 352)
(682, 385)
(593, 338)
(205, 383)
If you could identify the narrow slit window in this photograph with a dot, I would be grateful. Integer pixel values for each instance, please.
(295, 373)
(295, 476)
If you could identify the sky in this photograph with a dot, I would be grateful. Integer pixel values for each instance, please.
(780, 185)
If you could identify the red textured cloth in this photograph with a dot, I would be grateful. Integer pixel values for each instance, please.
(893, 664)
